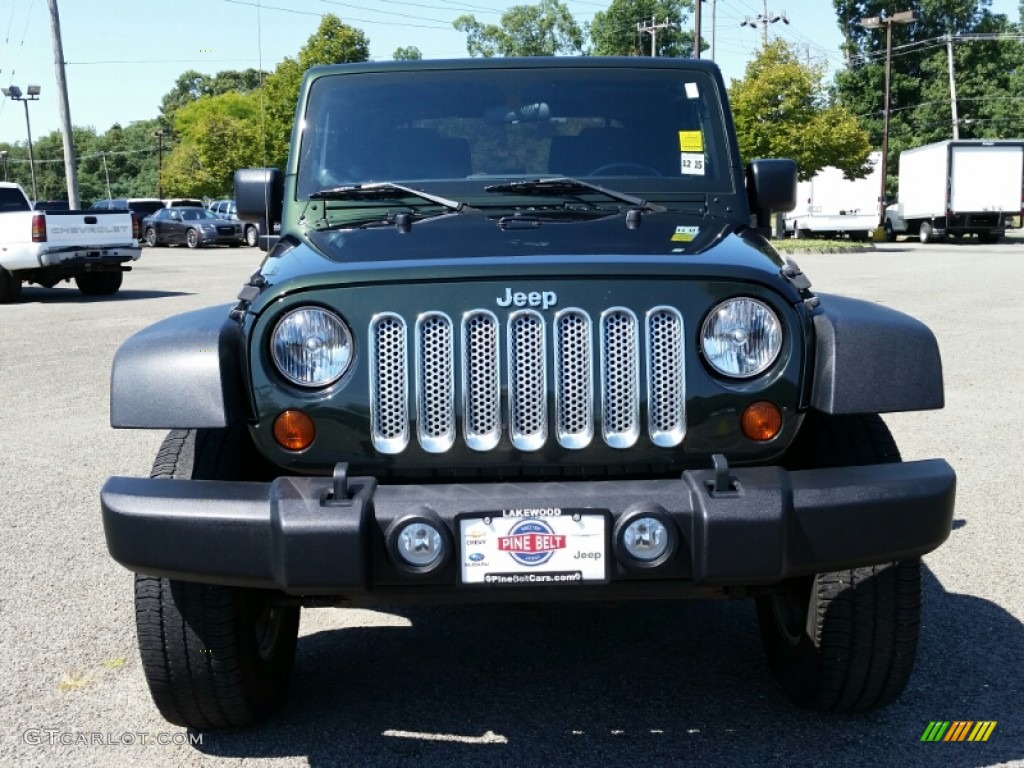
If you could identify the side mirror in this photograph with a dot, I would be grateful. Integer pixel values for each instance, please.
(259, 198)
(771, 188)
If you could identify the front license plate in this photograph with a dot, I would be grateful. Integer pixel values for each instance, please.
(534, 547)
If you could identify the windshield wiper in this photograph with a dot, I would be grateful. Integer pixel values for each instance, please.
(563, 185)
(383, 190)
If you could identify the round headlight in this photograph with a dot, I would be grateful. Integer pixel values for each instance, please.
(741, 338)
(311, 347)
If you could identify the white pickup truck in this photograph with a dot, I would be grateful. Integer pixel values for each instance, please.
(45, 247)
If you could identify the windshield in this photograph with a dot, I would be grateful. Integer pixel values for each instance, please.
(637, 129)
(192, 214)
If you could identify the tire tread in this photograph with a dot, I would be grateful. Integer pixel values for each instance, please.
(867, 620)
(194, 654)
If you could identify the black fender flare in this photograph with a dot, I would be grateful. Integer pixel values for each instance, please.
(184, 372)
(872, 359)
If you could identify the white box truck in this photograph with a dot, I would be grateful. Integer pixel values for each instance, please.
(958, 188)
(829, 204)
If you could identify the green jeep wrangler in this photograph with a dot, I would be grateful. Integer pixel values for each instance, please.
(521, 338)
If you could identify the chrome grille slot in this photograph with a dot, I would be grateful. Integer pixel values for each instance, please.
(574, 379)
(481, 380)
(620, 377)
(595, 377)
(389, 384)
(666, 380)
(435, 382)
(527, 380)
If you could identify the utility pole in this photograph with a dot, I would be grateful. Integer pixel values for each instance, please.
(952, 87)
(696, 28)
(763, 20)
(878, 22)
(713, 18)
(70, 166)
(652, 29)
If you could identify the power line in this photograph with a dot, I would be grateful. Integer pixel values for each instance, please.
(763, 20)
(652, 28)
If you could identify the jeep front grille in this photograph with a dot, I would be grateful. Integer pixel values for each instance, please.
(532, 345)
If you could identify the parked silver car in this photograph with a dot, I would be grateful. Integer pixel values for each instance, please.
(225, 209)
(191, 226)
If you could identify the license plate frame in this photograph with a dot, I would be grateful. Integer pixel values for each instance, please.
(542, 547)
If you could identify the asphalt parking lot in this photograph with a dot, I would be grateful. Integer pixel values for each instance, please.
(625, 684)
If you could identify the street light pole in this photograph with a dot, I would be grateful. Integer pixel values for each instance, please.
(3, 156)
(159, 136)
(14, 93)
(877, 22)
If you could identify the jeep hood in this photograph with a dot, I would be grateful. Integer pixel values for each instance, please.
(476, 246)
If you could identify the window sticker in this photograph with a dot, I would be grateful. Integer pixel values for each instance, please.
(685, 234)
(691, 164)
(692, 91)
(691, 141)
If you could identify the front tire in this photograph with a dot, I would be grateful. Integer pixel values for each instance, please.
(926, 234)
(192, 239)
(151, 237)
(252, 237)
(99, 283)
(844, 641)
(213, 656)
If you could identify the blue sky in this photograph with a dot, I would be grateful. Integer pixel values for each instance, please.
(124, 55)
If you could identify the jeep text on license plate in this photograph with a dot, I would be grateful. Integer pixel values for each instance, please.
(534, 547)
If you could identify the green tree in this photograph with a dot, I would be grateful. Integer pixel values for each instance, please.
(614, 32)
(544, 29)
(218, 135)
(192, 85)
(334, 42)
(781, 109)
(407, 53)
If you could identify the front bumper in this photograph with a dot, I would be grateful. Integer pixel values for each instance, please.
(83, 258)
(290, 536)
(216, 238)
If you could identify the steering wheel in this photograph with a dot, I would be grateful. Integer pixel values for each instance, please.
(625, 169)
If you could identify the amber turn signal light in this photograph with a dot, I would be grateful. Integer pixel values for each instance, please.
(761, 420)
(294, 430)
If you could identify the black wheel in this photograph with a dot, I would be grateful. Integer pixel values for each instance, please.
(192, 239)
(890, 233)
(252, 237)
(988, 237)
(213, 656)
(926, 234)
(10, 287)
(99, 283)
(843, 641)
(151, 237)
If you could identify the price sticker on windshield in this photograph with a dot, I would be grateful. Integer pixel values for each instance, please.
(691, 163)
(691, 141)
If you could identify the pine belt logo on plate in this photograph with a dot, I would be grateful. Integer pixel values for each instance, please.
(531, 542)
